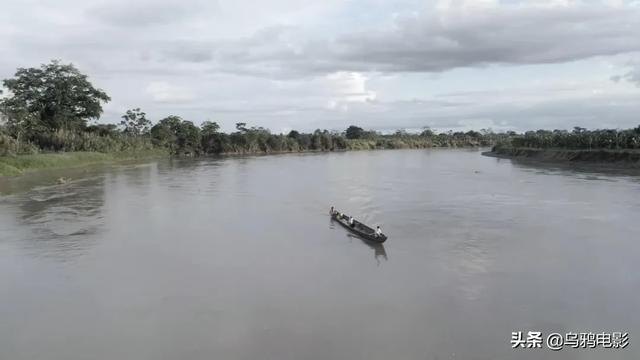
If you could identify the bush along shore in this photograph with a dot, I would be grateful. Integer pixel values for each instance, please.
(176, 137)
(610, 146)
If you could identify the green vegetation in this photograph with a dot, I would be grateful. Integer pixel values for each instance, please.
(45, 122)
(54, 96)
(49, 110)
(578, 139)
(610, 146)
(426, 139)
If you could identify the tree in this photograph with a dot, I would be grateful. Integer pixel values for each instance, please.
(103, 129)
(354, 132)
(164, 133)
(189, 138)
(210, 137)
(135, 122)
(177, 135)
(293, 134)
(241, 126)
(57, 95)
(209, 128)
(304, 141)
(427, 132)
(212, 140)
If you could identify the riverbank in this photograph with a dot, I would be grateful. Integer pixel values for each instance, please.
(21, 164)
(621, 158)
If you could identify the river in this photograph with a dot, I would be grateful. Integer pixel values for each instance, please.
(237, 258)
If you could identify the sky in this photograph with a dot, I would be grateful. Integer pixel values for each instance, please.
(379, 64)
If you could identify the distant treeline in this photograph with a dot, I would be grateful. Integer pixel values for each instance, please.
(181, 137)
(577, 139)
(49, 109)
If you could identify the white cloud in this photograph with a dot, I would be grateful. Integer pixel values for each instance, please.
(347, 87)
(163, 92)
(302, 65)
(440, 39)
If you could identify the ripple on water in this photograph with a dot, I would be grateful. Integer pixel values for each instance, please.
(58, 221)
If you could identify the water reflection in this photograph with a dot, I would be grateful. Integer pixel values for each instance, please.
(584, 170)
(378, 249)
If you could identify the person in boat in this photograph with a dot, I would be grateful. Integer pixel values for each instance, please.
(352, 222)
(332, 211)
(378, 232)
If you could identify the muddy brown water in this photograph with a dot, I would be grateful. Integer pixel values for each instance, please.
(237, 258)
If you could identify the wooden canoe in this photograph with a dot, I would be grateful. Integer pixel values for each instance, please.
(359, 229)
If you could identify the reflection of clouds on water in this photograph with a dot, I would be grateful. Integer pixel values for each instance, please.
(480, 200)
(195, 177)
(468, 238)
(471, 262)
(578, 170)
(59, 221)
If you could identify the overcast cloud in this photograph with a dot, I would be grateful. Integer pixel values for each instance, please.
(286, 64)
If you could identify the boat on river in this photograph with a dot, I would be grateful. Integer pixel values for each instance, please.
(359, 228)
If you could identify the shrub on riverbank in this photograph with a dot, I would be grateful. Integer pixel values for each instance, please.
(10, 146)
(65, 141)
(70, 141)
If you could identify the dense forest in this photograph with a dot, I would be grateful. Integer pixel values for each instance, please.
(49, 109)
(577, 139)
(55, 108)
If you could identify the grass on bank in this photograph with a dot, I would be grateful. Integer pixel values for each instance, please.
(13, 165)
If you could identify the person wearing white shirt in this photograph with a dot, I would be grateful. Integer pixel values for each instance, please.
(378, 231)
